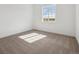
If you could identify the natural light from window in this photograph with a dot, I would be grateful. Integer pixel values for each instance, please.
(49, 12)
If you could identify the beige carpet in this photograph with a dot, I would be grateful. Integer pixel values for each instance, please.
(51, 44)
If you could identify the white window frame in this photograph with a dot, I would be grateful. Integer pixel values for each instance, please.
(47, 17)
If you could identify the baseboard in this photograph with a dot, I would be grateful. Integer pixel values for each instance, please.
(55, 33)
(14, 34)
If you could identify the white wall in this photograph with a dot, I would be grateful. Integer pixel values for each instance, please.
(15, 19)
(65, 20)
(77, 22)
(19, 18)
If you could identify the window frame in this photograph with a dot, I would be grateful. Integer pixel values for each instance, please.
(48, 17)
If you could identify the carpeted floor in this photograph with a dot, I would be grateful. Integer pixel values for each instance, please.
(51, 44)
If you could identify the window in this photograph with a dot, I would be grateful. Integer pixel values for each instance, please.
(49, 12)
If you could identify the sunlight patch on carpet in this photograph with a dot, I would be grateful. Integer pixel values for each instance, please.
(32, 37)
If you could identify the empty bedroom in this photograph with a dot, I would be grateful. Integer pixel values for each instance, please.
(39, 28)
